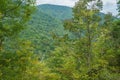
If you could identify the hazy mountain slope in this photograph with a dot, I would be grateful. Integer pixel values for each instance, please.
(56, 11)
(43, 24)
(49, 18)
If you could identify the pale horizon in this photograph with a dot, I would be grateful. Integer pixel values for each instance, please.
(109, 5)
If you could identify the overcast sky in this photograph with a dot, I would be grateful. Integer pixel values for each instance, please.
(109, 5)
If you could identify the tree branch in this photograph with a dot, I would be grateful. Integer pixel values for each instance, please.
(5, 14)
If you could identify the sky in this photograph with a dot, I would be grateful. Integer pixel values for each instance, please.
(109, 5)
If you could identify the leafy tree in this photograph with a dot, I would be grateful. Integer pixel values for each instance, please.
(115, 39)
(13, 17)
(86, 23)
(17, 58)
(88, 55)
(113, 42)
(17, 61)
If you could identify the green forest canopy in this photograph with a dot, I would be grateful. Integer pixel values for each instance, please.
(58, 42)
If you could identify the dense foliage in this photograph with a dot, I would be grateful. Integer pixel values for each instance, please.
(17, 58)
(43, 26)
(58, 42)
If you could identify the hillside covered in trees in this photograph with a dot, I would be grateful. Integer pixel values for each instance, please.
(44, 24)
(52, 42)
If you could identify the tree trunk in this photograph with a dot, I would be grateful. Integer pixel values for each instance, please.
(88, 46)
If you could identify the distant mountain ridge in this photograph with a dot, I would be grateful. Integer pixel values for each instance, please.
(49, 18)
(56, 11)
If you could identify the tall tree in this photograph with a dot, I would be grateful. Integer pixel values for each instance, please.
(86, 23)
(76, 57)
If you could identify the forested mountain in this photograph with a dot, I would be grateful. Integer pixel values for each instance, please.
(46, 21)
(51, 42)
(56, 11)
(51, 17)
